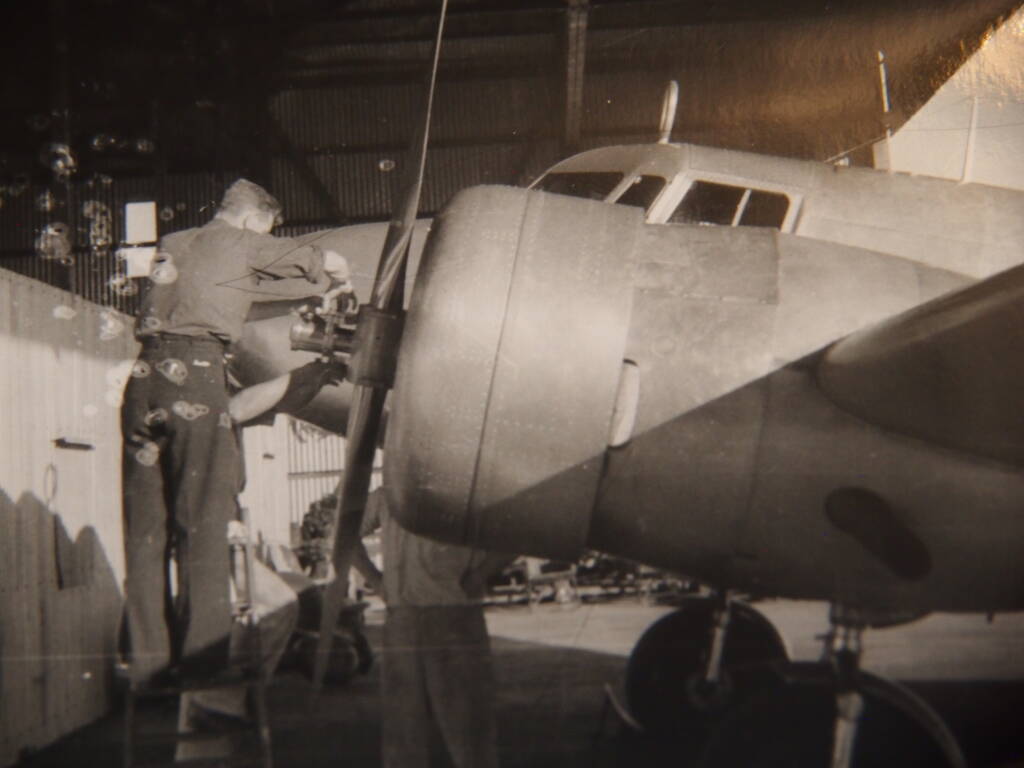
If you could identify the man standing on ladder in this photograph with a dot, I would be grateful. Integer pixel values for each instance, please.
(181, 464)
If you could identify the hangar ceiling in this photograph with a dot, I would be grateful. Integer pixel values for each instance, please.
(168, 98)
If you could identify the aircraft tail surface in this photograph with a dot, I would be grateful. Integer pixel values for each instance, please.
(972, 128)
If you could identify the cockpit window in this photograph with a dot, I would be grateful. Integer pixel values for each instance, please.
(642, 191)
(708, 202)
(593, 185)
(765, 209)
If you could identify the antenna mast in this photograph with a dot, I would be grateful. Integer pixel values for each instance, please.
(884, 80)
(669, 102)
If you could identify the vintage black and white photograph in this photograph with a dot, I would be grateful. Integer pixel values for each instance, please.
(520, 383)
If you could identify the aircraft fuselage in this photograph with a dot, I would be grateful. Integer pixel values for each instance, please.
(547, 323)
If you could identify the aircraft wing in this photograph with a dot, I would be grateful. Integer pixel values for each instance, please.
(950, 372)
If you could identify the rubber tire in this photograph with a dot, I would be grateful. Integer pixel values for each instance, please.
(790, 725)
(670, 654)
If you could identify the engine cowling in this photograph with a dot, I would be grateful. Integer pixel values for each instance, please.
(509, 368)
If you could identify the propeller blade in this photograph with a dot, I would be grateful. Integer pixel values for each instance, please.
(396, 243)
(363, 426)
(367, 408)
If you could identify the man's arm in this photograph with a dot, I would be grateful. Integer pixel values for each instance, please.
(286, 393)
(281, 258)
(284, 258)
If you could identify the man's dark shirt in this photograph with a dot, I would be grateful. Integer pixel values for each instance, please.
(205, 279)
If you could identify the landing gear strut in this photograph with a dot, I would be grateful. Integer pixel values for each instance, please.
(709, 688)
(832, 714)
(842, 651)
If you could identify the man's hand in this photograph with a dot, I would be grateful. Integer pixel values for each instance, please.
(306, 381)
(336, 267)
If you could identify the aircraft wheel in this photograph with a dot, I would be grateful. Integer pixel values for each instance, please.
(343, 663)
(663, 678)
(792, 724)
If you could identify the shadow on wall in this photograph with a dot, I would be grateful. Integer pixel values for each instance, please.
(60, 606)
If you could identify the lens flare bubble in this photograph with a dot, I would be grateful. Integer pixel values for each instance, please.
(148, 454)
(117, 375)
(92, 209)
(121, 285)
(163, 274)
(111, 326)
(45, 201)
(60, 159)
(174, 370)
(102, 142)
(189, 411)
(156, 417)
(180, 408)
(53, 243)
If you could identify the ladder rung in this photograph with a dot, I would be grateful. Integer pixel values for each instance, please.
(205, 762)
(171, 737)
(147, 692)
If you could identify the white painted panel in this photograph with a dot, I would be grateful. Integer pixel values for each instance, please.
(137, 259)
(140, 222)
(972, 128)
(61, 551)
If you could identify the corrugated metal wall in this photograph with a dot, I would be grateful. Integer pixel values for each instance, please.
(61, 551)
(495, 118)
(183, 200)
(267, 487)
(61, 558)
(315, 462)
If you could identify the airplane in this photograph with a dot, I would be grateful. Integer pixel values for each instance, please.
(964, 231)
(816, 406)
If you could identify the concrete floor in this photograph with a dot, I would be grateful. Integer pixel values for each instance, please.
(553, 661)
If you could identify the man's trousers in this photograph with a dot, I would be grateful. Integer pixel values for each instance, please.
(181, 473)
(437, 680)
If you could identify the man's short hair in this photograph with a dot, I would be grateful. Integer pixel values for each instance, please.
(244, 196)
